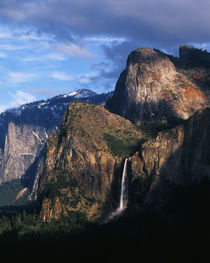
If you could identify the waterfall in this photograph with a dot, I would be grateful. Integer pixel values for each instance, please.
(123, 195)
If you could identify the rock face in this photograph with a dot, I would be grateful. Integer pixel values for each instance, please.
(24, 131)
(82, 168)
(151, 88)
(22, 144)
(178, 157)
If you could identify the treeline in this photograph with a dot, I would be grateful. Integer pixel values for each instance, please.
(24, 223)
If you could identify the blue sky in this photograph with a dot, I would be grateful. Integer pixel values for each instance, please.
(50, 47)
(38, 66)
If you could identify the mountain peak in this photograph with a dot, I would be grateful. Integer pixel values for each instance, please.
(29, 125)
(146, 55)
(81, 93)
(83, 159)
(151, 88)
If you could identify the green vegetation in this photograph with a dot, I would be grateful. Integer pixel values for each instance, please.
(121, 146)
(23, 221)
(9, 191)
(181, 233)
(151, 128)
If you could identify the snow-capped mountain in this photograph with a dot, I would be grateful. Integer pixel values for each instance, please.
(24, 131)
(61, 101)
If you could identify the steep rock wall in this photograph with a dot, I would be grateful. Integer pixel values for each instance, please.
(83, 162)
(150, 88)
(22, 144)
(176, 157)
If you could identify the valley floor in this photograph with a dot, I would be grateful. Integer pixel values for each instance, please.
(137, 237)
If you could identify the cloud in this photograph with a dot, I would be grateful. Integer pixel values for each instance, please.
(41, 58)
(3, 55)
(9, 47)
(105, 39)
(55, 56)
(48, 92)
(74, 50)
(18, 98)
(175, 21)
(116, 27)
(87, 78)
(20, 77)
(60, 76)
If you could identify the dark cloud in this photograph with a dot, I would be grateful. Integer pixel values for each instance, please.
(155, 23)
(160, 22)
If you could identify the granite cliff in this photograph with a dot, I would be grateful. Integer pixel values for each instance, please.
(79, 166)
(83, 164)
(24, 131)
(177, 157)
(157, 86)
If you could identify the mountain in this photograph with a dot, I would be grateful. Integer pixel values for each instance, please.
(24, 131)
(156, 86)
(80, 172)
(73, 173)
(178, 158)
(83, 162)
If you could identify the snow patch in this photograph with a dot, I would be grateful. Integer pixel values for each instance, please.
(36, 136)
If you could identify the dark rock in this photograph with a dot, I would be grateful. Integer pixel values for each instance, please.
(177, 157)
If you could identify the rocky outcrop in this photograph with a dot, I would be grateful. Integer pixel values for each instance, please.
(24, 131)
(151, 88)
(192, 57)
(177, 157)
(83, 162)
(22, 143)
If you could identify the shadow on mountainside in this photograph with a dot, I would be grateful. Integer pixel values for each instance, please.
(178, 233)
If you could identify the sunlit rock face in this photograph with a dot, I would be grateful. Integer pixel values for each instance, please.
(84, 162)
(152, 88)
(24, 131)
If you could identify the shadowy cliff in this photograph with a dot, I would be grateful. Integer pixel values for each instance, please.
(173, 159)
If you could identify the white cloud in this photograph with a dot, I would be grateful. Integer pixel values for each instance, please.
(21, 97)
(5, 35)
(3, 108)
(55, 56)
(3, 55)
(84, 80)
(20, 77)
(43, 58)
(87, 78)
(74, 50)
(10, 47)
(18, 98)
(61, 76)
(105, 39)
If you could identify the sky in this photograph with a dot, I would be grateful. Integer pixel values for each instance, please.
(51, 47)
